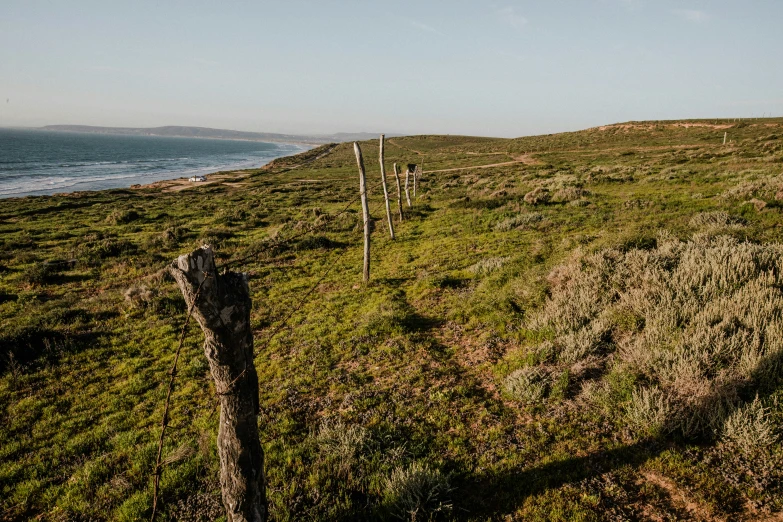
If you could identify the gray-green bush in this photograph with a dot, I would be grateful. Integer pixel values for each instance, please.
(698, 322)
(417, 492)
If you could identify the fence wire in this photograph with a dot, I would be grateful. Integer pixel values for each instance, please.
(239, 262)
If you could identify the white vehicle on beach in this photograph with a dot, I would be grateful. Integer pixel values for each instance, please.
(197, 179)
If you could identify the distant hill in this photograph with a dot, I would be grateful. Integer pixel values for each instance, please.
(176, 131)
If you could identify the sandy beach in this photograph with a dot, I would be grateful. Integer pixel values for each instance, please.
(179, 184)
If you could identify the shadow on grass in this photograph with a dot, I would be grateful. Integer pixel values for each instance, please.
(492, 494)
(34, 347)
(391, 282)
(417, 323)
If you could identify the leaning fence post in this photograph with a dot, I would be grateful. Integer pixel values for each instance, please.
(407, 191)
(221, 305)
(365, 211)
(399, 190)
(386, 192)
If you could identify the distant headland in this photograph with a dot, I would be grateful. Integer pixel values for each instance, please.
(177, 131)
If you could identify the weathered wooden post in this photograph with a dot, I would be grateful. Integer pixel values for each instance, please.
(416, 175)
(365, 211)
(407, 190)
(725, 135)
(221, 305)
(386, 193)
(421, 170)
(399, 190)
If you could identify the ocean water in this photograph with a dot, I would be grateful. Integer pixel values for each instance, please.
(34, 162)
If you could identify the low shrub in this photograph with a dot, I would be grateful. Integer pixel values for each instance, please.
(122, 217)
(528, 385)
(521, 221)
(417, 492)
(488, 265)
(648, 411)
(716, 220)
(138, 296)
(341, 443)
(39, 274)
(750, 428)
(568, 194)
(538, 196)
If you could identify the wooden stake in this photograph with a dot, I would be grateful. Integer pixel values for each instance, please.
(399, 190)
(407, 191)
(725, 135)
(221, 305)
(415, 180)
(365, 211)
(386, 193)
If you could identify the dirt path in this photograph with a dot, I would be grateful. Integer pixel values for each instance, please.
(648, 126)
(680, 498)
(392, 142)
(525, 159)
(176, 185)
(321, 155)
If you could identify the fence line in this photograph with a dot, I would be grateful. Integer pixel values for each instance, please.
(242, 261)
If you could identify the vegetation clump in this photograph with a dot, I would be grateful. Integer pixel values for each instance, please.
(122, 217)
(706, 325)
(488, 265)
(519, 221)
(344, 444)
(717, 220)
(538, 196)
(529, 384)
(417, 492)
(751, 428)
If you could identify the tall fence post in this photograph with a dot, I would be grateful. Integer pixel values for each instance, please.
(421, 171)
(365, 211)
(407, 190)
(386, 192)
(221, 305)
(399, 190)
(415, 180)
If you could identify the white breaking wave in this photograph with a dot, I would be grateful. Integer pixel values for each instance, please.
(22, 177)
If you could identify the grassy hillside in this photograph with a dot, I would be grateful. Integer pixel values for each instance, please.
(590, 329)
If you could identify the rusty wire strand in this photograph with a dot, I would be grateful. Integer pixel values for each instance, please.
(280, 326)
(172, 376)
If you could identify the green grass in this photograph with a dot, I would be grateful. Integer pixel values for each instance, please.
(415, 361)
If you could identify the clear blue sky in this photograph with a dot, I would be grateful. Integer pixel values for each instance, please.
(508, 68)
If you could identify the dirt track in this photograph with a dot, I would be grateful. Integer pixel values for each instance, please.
(526, 159)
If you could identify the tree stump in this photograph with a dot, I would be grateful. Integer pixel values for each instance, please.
(221, 305)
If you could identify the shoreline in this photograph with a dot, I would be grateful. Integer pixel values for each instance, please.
(178, 180)
(180, 184)
(163, 185)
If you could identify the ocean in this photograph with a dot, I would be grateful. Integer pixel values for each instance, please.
(35, 162)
